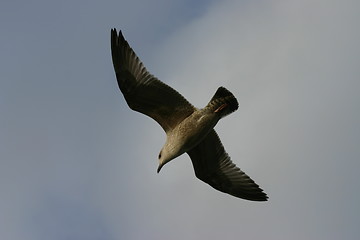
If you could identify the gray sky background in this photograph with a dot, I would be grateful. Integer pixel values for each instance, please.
(77, 163)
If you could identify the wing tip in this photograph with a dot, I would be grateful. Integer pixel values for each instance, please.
(257, 195)
(117, 36)
(261, 198)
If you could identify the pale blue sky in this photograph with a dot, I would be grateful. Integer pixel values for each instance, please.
(77, 163)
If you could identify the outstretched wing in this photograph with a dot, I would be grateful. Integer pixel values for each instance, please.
(142, 91)
(213, 166)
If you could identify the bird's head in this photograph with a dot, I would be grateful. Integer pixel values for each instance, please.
(164, 157)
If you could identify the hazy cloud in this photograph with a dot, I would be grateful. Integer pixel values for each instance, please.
(77, 163)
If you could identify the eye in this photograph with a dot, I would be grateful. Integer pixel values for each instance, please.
(159, 155)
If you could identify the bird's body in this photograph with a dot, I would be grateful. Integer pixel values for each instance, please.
(187, 128)
(189, 133)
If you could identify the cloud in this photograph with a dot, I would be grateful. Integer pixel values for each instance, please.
(291, 64)
(78, 163)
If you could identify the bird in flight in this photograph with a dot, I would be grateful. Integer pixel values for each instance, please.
(188, 129)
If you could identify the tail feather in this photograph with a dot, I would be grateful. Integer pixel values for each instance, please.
(223, 102)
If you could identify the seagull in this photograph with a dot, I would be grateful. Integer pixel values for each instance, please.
(188, 129)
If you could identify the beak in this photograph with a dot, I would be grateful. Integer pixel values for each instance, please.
(160, 166)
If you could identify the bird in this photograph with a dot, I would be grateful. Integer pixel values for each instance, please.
(188, 129)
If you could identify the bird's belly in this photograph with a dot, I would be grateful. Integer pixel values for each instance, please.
(193, 131)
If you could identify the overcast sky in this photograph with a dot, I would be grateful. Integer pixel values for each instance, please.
(77, 163)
